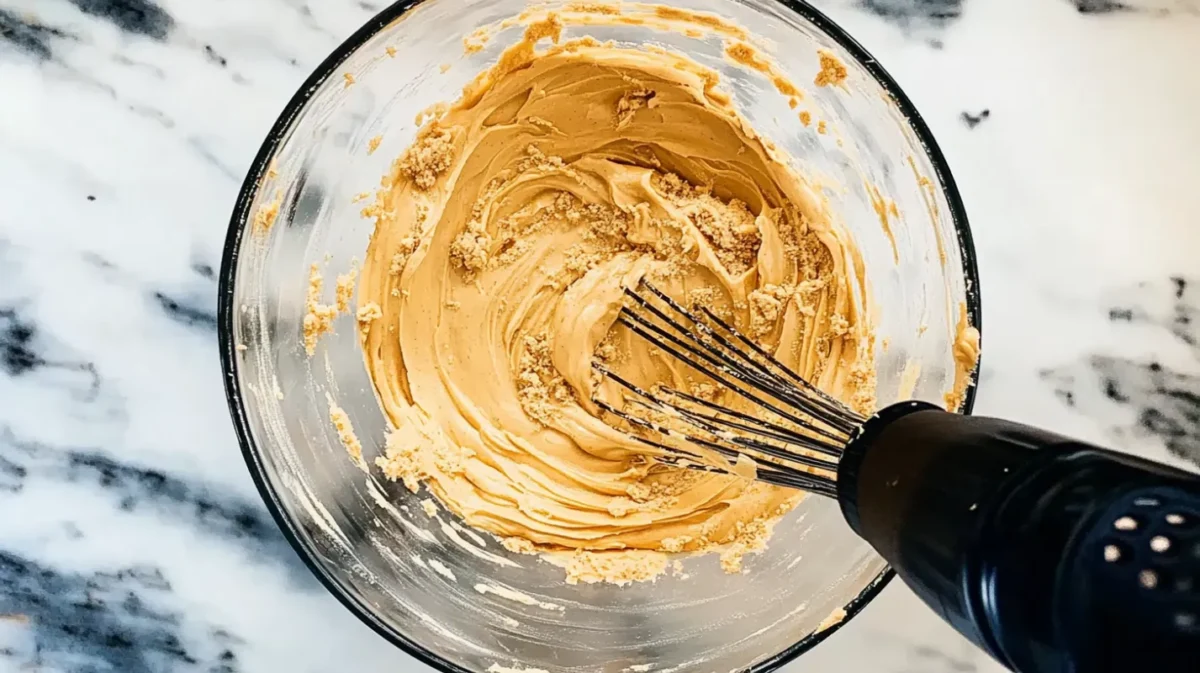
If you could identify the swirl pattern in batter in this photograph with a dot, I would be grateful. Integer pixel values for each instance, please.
(504, 238)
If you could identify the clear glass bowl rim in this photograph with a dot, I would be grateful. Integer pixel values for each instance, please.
(241, 219)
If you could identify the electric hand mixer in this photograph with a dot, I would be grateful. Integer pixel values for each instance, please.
(1050, 554)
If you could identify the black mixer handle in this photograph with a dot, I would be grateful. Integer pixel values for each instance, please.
(1052, 555)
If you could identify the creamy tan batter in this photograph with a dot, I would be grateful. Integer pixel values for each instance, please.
(505, 235)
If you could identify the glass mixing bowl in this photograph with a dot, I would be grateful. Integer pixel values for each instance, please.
(454, 597)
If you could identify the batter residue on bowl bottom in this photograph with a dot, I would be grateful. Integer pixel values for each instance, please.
(504, 238)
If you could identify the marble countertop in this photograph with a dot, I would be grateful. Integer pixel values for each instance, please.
(131, 537)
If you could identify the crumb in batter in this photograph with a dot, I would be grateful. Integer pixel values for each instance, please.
(470, 251)
(541, 388)
(518, 545)
(345, 431)
(862, 378)
(429, 157)
(674, 545)
(367, 314)
(728, 225)
(751, 538)
(432, 112)
(630, 103)
(318, 317)
(476, 41)
(344, 291)
(833, 71)
(618, 568)
(766, 308)
(401, 460)
(265, 218)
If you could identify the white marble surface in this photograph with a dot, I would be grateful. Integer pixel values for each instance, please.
(131, 538)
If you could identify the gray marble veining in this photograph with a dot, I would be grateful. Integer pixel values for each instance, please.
(132, 539)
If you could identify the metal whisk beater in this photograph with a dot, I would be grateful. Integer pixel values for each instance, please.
(1001, 527)
(798, 434)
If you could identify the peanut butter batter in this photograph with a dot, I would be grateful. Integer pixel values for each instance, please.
(504, 238)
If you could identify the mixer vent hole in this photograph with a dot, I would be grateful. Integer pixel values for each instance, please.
(1176, 519)
(1147, 502)
(1126, 523)
(1185, 620)
(1148, 579)
(1112, 553)
(1160, 544)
